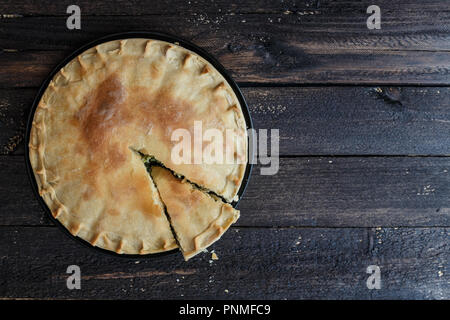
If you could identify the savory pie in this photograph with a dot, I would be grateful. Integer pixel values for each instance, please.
(112, 108)
(198, 218)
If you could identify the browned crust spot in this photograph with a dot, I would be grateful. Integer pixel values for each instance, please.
(205, 70)
(220, 86)
(233, 107)
(186, 59)
(74, 229)
(120, 246)
(95, 238)
(166, 48)
(58, 212)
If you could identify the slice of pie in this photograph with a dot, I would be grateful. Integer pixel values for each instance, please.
(112, 104)
(198, 218)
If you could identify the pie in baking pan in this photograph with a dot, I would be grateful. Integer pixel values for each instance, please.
(106, 112)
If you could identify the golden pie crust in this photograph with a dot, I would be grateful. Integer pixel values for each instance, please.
(101, 111)
(198, 218)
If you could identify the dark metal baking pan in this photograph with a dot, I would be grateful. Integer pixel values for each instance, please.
(127, 35)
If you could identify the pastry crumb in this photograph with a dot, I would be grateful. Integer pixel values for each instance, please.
(214, 256)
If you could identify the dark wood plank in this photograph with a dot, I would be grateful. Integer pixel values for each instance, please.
(137, 8)
(313, 120)
(329, 192)
(253, 263)
(260, 66)
(15, 106)
(355, 120)
(18, 200)
(330, 45)
(418, 29)
(350, 192)
(402, 8)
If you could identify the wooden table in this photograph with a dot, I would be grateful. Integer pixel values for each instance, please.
(364, 177)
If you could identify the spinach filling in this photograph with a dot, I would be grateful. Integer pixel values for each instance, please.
(151, 161)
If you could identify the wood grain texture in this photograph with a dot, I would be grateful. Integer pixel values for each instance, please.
(329, 44)
(350, 192)
(312, 120)
(15, 106)
(136, 8)
(422, 26)
(327, 192)
(253, 264)
(355, 120)
(31, 68)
